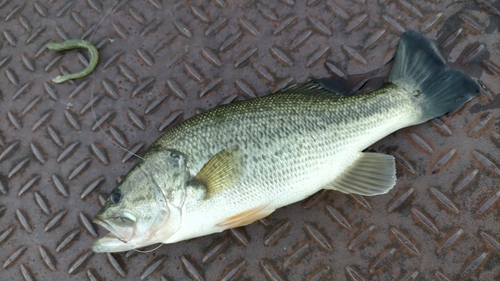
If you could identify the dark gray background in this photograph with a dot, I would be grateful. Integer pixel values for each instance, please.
(163, 61)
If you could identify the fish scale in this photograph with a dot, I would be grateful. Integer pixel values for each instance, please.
(337, 121)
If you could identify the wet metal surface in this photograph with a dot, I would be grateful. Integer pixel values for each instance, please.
(164, 61)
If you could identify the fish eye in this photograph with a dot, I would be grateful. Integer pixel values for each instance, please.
(115, 196)
(175, 155)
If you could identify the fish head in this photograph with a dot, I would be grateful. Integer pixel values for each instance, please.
(146, 207)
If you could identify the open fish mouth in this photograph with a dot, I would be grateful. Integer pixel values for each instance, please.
(100, 221)
(113, 233)
(111, 243)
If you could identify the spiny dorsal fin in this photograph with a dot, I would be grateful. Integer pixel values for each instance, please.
(223, 170)
(371, 174)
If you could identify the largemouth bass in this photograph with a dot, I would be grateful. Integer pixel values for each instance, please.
(237, 163)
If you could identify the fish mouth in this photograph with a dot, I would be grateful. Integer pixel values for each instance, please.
(100, 221)
(113, 232)
(110, 243)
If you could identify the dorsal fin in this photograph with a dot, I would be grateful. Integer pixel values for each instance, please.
(316, 87)
(337, 85)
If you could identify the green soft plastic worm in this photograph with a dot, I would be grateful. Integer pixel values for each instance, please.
(74, 44)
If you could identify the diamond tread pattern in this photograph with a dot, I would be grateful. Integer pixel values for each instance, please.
(163, 62)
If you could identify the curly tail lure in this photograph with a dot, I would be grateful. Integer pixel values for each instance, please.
(75, 44)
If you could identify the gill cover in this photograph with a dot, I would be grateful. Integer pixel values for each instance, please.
(146, 207)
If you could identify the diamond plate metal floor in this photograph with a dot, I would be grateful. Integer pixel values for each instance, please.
(162, 62)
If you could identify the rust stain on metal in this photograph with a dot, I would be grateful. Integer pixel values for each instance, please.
(163, 62)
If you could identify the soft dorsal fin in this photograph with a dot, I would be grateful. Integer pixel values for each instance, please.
(339, 87)
(223, 170)
(316, 87)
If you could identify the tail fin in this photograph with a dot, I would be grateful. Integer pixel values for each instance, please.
(419, 66)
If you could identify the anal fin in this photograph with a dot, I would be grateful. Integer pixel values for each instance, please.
(371, 174)
(246, 217)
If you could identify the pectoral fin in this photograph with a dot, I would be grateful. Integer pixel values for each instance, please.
(246, 217)
(223, 170)
(371, 174)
